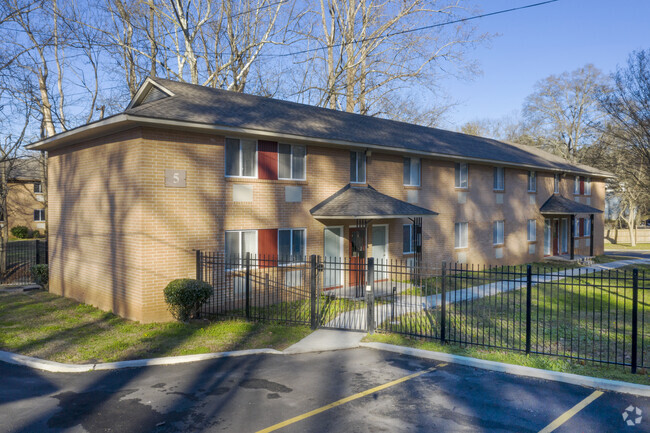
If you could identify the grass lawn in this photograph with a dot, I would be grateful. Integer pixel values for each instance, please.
(509, 357)
(59, 329)
(627, 247)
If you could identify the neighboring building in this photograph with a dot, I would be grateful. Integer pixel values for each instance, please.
(184, 167)
(25, 196)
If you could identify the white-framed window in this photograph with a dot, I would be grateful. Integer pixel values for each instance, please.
(291, 162)
(556, 183)
(587, 226)
(576, 227)
(460, 235)
(412, 171)
(497, 232)
(532, 181)
(241, 158)
(240, 242)
(357, 167)
(38, 188)
(39, 215)
(407, 239)
(462, 170)
(576, 186)
(532, 231)
(499, 178)
(547, 237)
(564, 235)
(292, 244)
(588, 186)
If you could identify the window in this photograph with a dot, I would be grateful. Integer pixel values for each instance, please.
(532, 230)
(38, 188)
(39, 214)
(240, 242)
(499, 178)
(357, 167)
(564, 235)
(547, 237)
(588, 186)
(576, 227)
(497, 234)
(461, 235)
(291, 244)
(241, 158)
(407, 239)
(461, 175)
(587, 226)
(556, 184)
(412, 171)
(576, 186)
(532, 181)
(291, 160)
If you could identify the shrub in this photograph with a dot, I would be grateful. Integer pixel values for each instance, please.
(36, 234)
(40, 275)
(20, 232)
(185, 296)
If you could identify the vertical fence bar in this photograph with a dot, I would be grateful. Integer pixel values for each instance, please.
(370, 295)
(199, 273)
(529, 291)
(635, 313)
(247, 283)
(312, 293)
(443, 303)
(38, 252)
(47, 252)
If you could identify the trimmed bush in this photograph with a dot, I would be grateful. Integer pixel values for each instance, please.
(185, 296)
(20, 232)
(40, 275)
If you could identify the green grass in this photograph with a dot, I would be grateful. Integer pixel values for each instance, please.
(59, 329)
(509, 357)
(622, 246)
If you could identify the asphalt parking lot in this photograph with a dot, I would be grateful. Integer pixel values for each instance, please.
(358, 390)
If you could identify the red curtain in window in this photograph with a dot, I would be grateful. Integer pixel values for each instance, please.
(582, 186)
(267, 160)
(581, 225)
(267, 247)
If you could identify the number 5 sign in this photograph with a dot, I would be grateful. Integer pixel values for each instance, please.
(175, 178)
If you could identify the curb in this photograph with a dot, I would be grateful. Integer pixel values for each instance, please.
(58, 367)
(517, 370)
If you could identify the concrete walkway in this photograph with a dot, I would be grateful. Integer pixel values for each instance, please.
(326, 339)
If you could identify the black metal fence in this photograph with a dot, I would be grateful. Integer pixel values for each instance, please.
(583, 314)
(17, 259)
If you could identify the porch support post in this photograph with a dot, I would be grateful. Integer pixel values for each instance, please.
(591, 235)
(573, 217)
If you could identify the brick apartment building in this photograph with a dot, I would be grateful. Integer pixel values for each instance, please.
(185, 167)
(25, 195)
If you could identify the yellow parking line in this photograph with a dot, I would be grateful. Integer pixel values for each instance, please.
(569, 413)
(348, 399)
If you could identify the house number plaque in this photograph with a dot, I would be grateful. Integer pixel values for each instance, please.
(175, 178)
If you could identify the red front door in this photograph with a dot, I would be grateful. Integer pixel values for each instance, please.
(555, 237)
(357, 257)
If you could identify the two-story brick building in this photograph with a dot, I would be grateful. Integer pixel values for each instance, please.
(25, 195)
(184, 167)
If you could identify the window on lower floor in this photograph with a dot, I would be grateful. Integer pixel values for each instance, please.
(38, 188)
(532, 230)
(460, 235)
(407, 239)
(587, 227)
(291, 244)
(497, 234)
(39, 215)
(547, 237)
(240, 242)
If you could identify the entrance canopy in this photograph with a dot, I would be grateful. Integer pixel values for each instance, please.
(558, 205)
(366, 203)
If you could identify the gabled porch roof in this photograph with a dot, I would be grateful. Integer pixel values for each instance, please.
(363, 202)
(559, 205)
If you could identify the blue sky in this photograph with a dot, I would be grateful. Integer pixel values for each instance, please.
(535, 43)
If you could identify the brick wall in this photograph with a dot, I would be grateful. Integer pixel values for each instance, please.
(21, 203)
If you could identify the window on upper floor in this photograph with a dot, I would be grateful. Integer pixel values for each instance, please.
(499, 178)
(460, 235)
(588, 186)
(462, 170)
(241, 158)
(532, 231)
(497, 233)
(412, 171)
(39, 215)
(291, 162)
(532, 181)
(357, 167)
(38, 188)
(556, 183)
(579, 185)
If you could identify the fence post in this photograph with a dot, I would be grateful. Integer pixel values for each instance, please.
(370, 297)
(443, 303)
(47, 251)
(312, 293)
(38, 255)
(247, 264)
(199, 265)
(529, 295)
(635, 317)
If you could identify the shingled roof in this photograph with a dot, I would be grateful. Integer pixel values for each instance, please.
(367, 203)
(557, 204)
(175, 104)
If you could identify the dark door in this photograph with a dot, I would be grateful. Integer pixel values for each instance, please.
(357, 258)
(555, 238)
